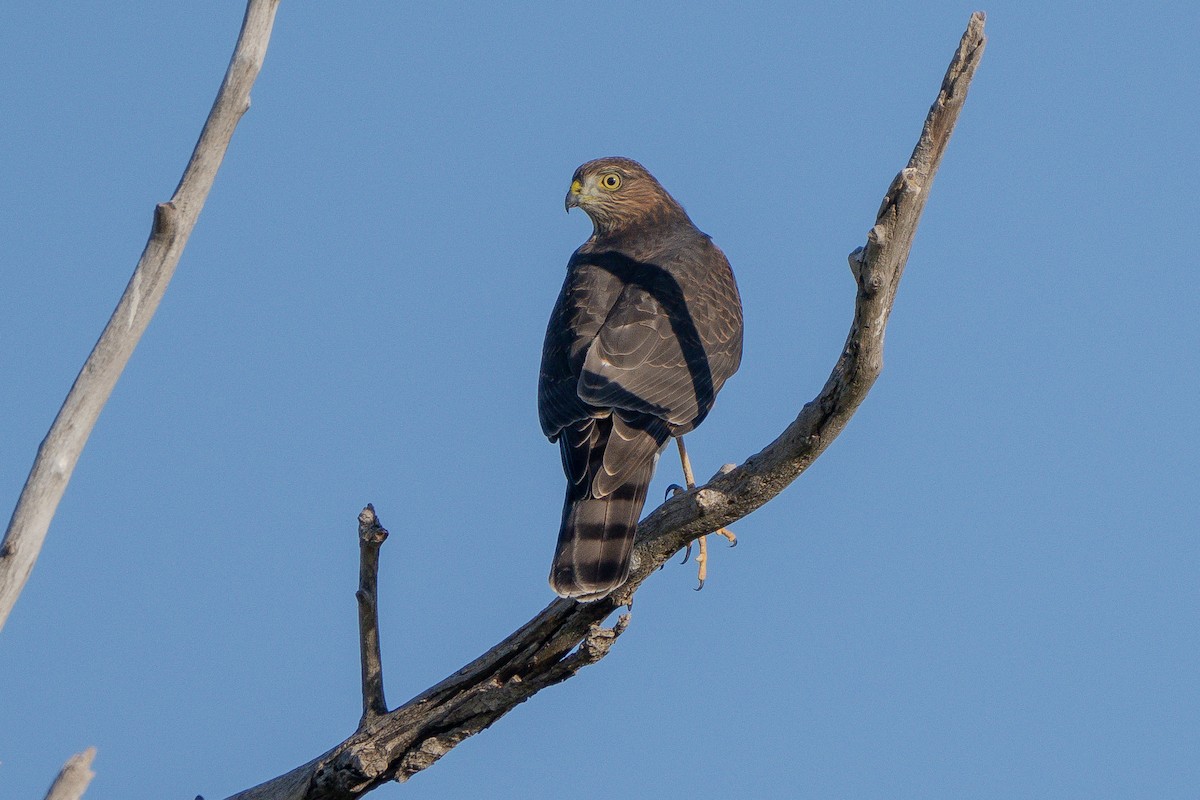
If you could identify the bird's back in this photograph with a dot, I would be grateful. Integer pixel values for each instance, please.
(646, 330)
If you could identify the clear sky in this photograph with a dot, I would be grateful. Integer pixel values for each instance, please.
(988, 587)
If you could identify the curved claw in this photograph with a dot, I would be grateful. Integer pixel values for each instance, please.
(687, 553)
(729, 536)
(701, 586)
(672, 490)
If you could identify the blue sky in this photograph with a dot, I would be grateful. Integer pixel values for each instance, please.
(987, 587)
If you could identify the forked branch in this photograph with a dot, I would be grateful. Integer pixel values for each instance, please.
(566, 635)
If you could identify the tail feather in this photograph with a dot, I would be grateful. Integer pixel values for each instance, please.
(596, 540)
(602, 507)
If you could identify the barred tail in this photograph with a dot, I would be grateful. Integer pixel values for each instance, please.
(596, 539)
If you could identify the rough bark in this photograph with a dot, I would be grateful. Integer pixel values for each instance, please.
(173, 223)
(371, 536)
(566, 635)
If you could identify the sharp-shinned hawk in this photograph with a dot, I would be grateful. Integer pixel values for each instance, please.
(646, 330)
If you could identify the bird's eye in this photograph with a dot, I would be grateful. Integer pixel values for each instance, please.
(611, 181)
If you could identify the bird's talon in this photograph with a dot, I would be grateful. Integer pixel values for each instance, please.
(687, 553)
(672, 490)
(702, 562)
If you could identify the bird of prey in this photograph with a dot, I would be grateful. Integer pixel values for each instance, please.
(646, 330)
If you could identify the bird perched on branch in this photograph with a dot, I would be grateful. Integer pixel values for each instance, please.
(646, 330)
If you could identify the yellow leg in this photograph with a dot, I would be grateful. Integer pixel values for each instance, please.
(702, 556)
(687, 464)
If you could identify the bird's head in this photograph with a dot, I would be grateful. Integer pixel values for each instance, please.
(617, 193)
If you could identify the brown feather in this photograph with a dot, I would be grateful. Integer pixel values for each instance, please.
(646, 330)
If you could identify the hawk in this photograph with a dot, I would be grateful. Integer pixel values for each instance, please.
(645, 332)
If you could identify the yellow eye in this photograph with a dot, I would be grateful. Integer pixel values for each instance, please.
(611, 181)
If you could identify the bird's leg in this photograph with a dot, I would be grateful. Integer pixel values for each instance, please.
(673, 490)
(702, 556)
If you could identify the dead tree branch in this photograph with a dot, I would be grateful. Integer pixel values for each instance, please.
(74, 777)
(567, 636)
(371, 535)
(173, 223)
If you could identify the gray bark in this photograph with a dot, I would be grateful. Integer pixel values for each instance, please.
(73, 779)
(173, 222)
(371, 536)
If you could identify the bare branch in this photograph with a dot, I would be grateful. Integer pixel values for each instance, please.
(567, 636)
(173, 223)
(371, 535)
(74, 777)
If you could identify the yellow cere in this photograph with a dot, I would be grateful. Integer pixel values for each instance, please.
(576, 186)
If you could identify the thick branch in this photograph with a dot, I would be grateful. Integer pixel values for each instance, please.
(567, 636)
(74, 777)
(173, 223)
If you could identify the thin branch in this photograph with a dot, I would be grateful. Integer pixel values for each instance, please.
(74, 777)
(371, 536)
(173, 223)
(567, 636)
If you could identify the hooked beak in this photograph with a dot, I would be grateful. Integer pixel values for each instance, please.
(572, 200)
